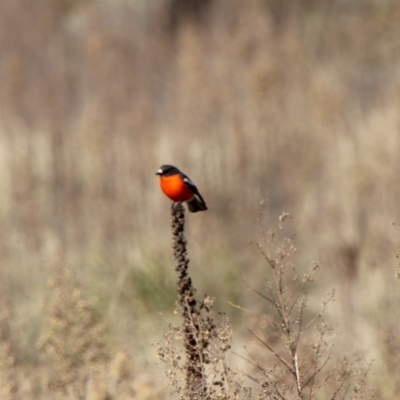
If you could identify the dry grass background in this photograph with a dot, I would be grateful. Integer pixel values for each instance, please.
(294, 102)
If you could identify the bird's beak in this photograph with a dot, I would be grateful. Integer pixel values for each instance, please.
(159, 172)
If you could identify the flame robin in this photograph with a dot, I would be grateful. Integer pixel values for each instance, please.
(179, 188)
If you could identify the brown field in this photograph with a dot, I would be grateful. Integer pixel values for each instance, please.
(295, 103)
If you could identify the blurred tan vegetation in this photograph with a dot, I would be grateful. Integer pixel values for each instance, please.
(294, 102)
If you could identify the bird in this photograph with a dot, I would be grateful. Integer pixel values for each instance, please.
(179, 188)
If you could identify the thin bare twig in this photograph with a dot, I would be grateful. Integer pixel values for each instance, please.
(282, 360)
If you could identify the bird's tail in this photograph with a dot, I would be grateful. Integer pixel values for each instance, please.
(196, 204)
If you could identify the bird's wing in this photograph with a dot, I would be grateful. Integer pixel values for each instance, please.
(192, 187)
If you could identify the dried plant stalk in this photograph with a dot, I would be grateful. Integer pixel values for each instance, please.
(194, 342)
